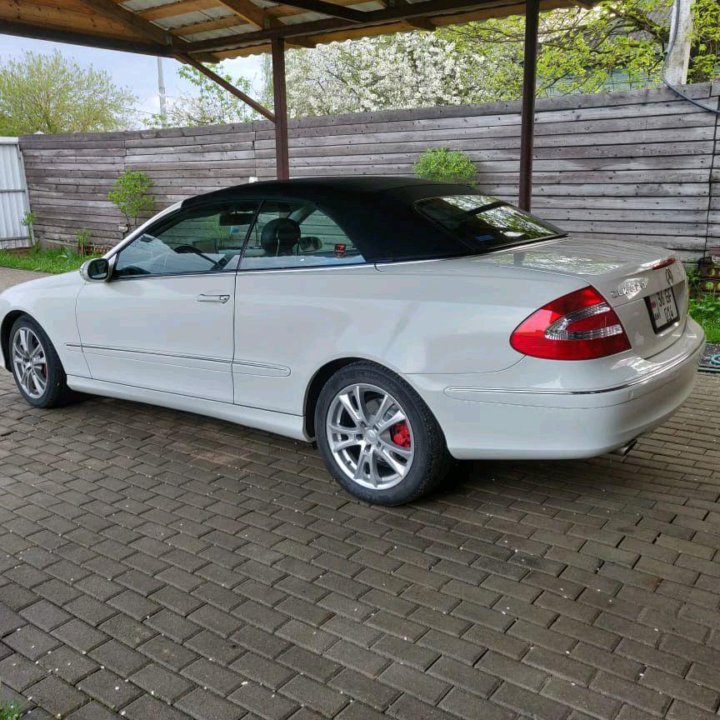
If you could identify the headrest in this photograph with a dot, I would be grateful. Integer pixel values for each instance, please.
(279, 237)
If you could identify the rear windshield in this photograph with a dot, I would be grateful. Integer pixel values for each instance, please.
(484, 223)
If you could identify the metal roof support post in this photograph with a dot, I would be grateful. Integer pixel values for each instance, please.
(527, 131)
(281, 112)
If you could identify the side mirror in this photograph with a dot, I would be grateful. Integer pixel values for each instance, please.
(97, 270)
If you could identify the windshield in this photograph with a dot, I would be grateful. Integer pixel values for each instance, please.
(485, 223)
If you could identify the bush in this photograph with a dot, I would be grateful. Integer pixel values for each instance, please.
(82, 238)
(445, 165)
(706, 311)
(131, 195)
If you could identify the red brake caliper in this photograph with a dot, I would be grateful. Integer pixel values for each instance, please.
(400, 434)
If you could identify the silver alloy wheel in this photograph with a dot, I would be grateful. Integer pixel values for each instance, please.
(370, 436)
(29, 363)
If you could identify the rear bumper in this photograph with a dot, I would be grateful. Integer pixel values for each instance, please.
(483, 421)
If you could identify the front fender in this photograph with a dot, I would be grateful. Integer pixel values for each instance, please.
(51, 303)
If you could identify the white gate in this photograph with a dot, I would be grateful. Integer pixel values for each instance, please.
(14, 203)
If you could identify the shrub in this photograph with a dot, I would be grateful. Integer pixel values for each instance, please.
(706, 311)
(131, 195)
(28, 220)
(445, 165)
(82, 238)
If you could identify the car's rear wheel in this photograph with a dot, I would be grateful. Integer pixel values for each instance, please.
(36, 366)
(378, 438)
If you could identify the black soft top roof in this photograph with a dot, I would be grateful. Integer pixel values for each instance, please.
(376, 212)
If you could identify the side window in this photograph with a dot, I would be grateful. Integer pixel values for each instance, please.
(193, 241)
(297, 235)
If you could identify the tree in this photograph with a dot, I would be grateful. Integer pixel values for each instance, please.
(390, 71)
(619, 43)
(210, 104)
(130, 194)
(51, 94)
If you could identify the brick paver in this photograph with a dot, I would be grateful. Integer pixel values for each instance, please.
(158, 564)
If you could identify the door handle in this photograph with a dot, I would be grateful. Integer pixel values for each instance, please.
(213, 298)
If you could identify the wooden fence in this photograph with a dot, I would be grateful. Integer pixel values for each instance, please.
(638, 165)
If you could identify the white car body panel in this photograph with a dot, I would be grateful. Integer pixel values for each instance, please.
(172, 334)
(443, 325)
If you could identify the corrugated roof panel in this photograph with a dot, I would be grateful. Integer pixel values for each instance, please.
(138, 5)
(196, 16)
(225, 32)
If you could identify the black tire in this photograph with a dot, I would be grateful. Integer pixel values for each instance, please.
(431, 460)
(56, 392)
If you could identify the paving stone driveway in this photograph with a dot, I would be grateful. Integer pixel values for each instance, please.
(157, 565)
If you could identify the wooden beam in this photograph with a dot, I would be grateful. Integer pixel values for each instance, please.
(527, 128)
(21, 29)
(248, 11)
(421, 23)
(108, 8)
(177, 8)
(374, 17)
(226, 85)
(327, 8)
(282, 153)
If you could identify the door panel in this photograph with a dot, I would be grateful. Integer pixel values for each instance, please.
(173, 334)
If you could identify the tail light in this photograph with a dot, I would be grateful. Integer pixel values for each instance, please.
(577, 326)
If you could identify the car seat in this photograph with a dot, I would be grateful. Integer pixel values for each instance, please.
(280, 237)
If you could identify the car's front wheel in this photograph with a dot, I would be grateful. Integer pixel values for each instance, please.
(378, 438)
(36, 366)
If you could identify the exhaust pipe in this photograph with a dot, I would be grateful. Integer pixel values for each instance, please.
(625, 449)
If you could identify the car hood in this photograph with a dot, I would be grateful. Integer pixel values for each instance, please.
(45, 283)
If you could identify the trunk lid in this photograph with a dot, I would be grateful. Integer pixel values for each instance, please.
(637, 280)
(631, 277)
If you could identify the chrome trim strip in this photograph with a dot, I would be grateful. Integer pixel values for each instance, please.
(246, 367)
(451, 391)
(235, 365)
(148, 352)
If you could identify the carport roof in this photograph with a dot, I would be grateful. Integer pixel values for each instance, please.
(215, 29)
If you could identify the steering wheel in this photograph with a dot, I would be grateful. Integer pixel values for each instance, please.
(191, 249)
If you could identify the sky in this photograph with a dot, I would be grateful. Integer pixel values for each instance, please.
(136, 72)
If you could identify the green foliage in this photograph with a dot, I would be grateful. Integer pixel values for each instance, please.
(131, 195)
(705, 51)
(83, 241)
(9, 711)
(51, 94)
(445, 165)
(705, 309)
(616, 45)
(619, 42)
(55, 260)
(28, 219)
(210, 104)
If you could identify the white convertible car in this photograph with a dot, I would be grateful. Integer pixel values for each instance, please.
(398, 323)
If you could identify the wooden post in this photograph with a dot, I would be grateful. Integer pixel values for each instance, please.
(281, 114)
(527, 131)
(681, 29)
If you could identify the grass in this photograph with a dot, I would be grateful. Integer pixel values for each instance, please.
(9, 711)
(706, 310)
(58, 260)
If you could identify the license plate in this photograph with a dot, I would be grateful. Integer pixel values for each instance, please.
(663, 309)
